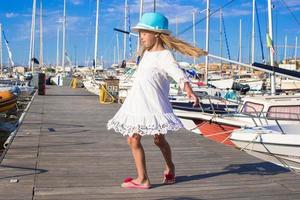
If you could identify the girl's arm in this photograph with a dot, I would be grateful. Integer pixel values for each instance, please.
(190, 93)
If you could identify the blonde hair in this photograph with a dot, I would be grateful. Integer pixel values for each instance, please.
(176, 44)
(181, 46)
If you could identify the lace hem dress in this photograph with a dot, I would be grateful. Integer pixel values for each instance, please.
(147, 110)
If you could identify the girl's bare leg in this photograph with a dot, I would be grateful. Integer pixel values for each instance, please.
(139, 159)
(164, 147)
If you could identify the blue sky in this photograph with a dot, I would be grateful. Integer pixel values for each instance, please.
(15, 17)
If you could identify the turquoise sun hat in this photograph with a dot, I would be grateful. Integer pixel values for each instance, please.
(155, 22)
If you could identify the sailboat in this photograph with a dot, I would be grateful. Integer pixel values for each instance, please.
(91, 82)
(60, 72)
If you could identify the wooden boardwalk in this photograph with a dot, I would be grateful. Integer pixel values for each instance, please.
(64, 151)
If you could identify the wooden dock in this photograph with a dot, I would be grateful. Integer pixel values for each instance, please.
(63, 151)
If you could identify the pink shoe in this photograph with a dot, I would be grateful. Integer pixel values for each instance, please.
(128, 183)
(169, 178)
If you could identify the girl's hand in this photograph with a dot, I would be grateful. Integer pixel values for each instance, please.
(190, 94)
(193, 98)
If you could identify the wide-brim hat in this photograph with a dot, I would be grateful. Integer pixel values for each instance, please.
(155, 22)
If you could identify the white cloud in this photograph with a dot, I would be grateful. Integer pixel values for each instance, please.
(169, 8)
(11, 15)
(76, 2)
(233, 12)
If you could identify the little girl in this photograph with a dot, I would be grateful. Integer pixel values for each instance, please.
(147, 110)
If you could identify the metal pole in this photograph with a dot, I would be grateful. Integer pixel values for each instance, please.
(296, 44)
(31, 46)
(194, 34)
(64, 38)
(141, 13)
(154, 6)
(75, 52)
(114, 54)
(273, 83)
(33, 36)
(118, 48)
(41, 35)
(57, 48)
(253, 67)
(176, 32)
(221, 50)
(240, 51)
(207, 40)
(96, 34)
(253, 33)
(285, 43)
(1, 61)
(125, 29)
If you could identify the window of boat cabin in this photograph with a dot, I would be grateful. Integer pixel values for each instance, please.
(284, 112)
(252, 108)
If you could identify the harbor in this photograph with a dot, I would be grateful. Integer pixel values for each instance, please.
(63, 151)
(88, 90)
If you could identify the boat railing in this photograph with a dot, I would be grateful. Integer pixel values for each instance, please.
(278, 120)
(222, 100)
(293, 117)
(255, 115)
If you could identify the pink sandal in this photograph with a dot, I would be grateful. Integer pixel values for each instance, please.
(169, 178)
(129, 184)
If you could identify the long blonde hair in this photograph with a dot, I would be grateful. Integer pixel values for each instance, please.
(176, 44)
(183, 47)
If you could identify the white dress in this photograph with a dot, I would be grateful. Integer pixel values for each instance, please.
(147, 110)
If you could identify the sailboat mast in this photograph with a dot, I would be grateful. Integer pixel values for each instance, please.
(141, 13)
(176, 32)
(96, 34)
(141, 8)
(285, 43)
(253, 33)
(194, 33)
(57, 48)
(296, 44)
(125, 28)
(114, 54)
(1, 61)
(273, 86)
(64, 38)
(221, 50)
(118, 48)
(41, 34)
(31, 46)
(240, 51)
(207, 39)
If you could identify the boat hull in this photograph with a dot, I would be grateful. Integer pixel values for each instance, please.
(8, 101)
(214, 131)
(280, 148)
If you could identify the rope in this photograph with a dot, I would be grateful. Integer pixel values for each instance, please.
(259, 32)
(284, 164)
(226, 40)
(217, 10)
(291, 12)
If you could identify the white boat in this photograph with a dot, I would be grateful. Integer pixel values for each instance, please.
(288, 84)
(93, 84)
(126, 80)
(279, 144)
(58, 79)
(222, 83)
(255, 111)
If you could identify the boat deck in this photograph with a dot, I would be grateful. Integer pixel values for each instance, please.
(64, 151)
